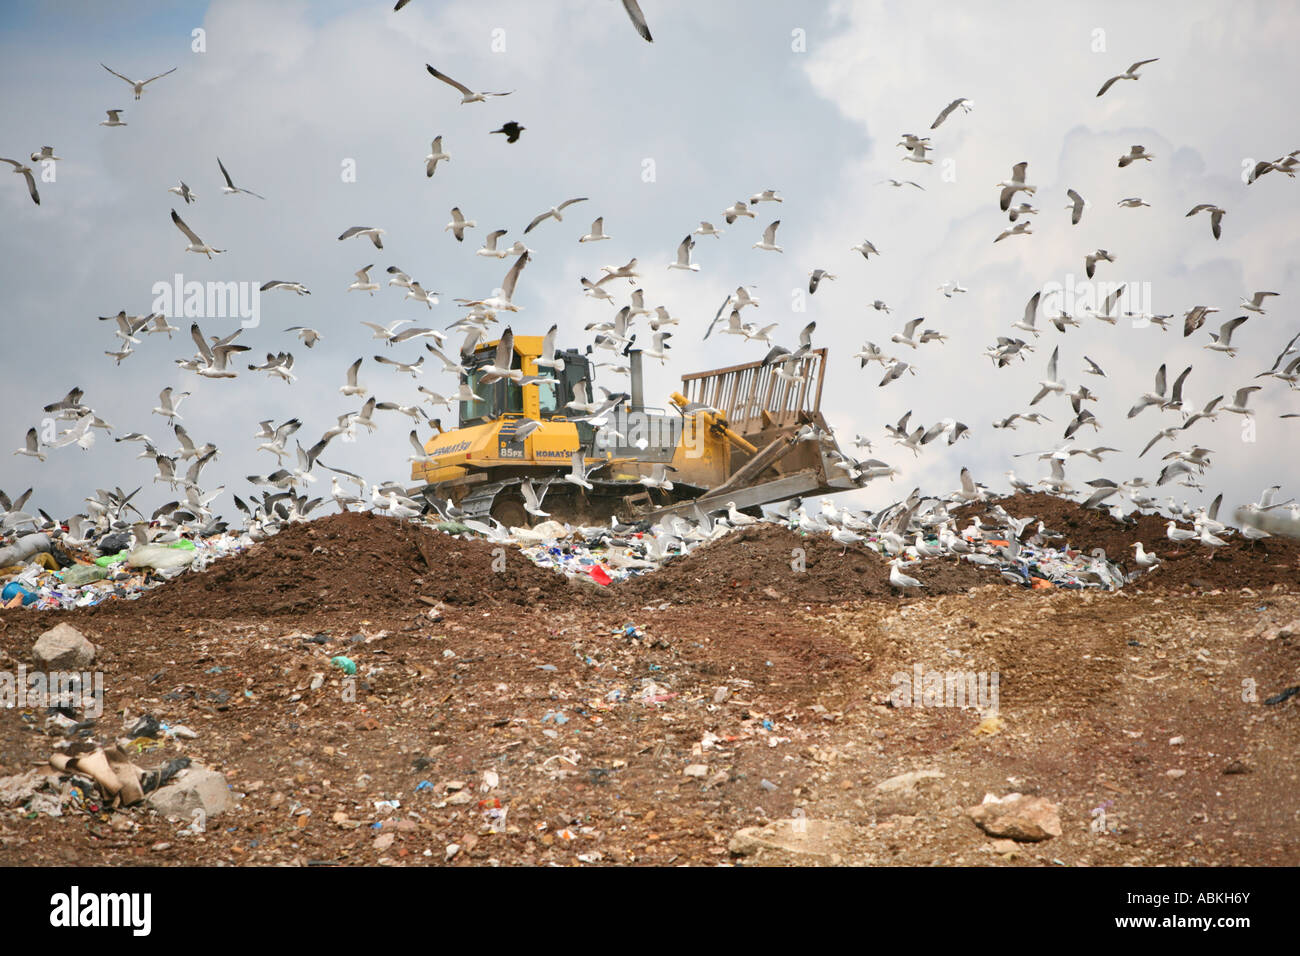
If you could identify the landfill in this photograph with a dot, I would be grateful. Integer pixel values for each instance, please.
(363, 689)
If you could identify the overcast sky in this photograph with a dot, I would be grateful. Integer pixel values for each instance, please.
(731, 98)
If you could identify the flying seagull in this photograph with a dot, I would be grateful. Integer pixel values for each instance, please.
(1216, 215)
(24, 170)
(370, 231)
(230, 188)
(1076, 206)
(196, 244)
(184, 192)
(436, 155)
(638, 19)
(113, 119)
(1135, 153)
(961, 101)
(137, 88)
(554, 212)
(1130, 74)
(281, 284)
(769, 238)
(597, 231)
(459, 224)
(1013, 185)
(683, 260)
(467, 95)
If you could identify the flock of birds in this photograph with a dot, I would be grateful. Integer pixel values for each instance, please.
(282, 498)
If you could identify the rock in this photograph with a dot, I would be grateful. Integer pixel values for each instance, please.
(460, 798)
(1237, 766)
(1005, 846)
(795, 835)
(1017, 817)
(696, 770)
(1175, 773)
(63, 647)
(906, 782)
(721, 694)
(452, 850)
(193, 789)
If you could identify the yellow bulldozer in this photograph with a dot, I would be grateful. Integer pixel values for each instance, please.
(733, 435)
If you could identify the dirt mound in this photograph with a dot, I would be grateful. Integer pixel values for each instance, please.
(1240, 563)
(355, 560)
(763, 563)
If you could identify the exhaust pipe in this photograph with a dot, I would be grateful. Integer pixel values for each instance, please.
(638, 383)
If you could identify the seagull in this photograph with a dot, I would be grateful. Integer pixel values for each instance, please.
(1135, 153)
(500, 302)
(1195, 317)
(769, 239)
(1093, 368)
(707, 229)
(553, 213)
(230, 188)
(112, 118)
(638, 19)
(1256, 302)
(352, 388)
(1133, 202)
(683, 255)
(184, 192)
(597, 231)
(363, 283)
(816, 277)
(767, 195)
(1051, 383)
(900, 183)
(278, 365)
(1130, 74)
(458, 224)
(1216, 215)
(387, 332)
(965, 105)
(880, 306)
(736, 210)
(900, 580)
(905, 337)
(1238, 406)
(22, 169)
(196, 244)
(1090, 261)
(510, 131)
(1077, 203)
(1222, 341)
(137, 88)
(167, 407)
(32, 446)
(46, 155)
(1024, 209)
(467, 95)
(917, 154)
(866, 248)
(1019, 229)
(1014, 185)
(1031, 312)
(214, 357)
(1141, 558)
(436, 155)
(297, 287)
(413, 369)
(951, 288)
(370, 231)
(578, 472)
(532, 500)
(399, 278)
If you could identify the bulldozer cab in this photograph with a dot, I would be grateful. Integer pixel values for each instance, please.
(543, 400)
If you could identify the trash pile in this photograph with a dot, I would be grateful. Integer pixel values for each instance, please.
(46, 574)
